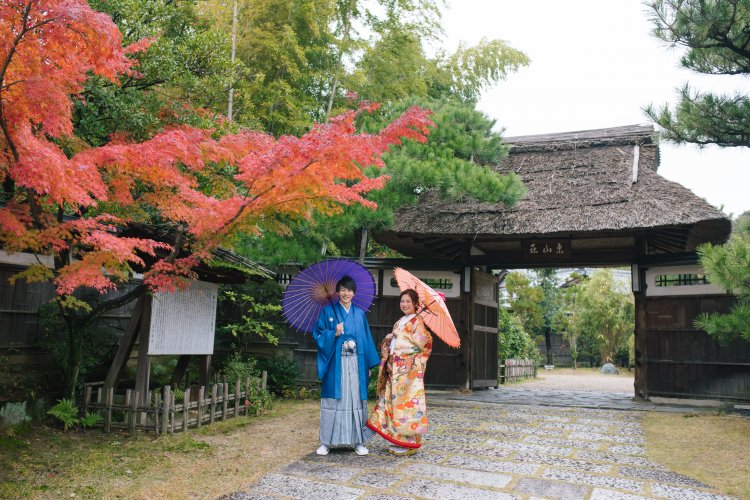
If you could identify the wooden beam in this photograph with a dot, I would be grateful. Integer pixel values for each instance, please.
(204, 370)
(640, 383)
(143, 366)
(125, 347)
(510, 260)
(179, 371)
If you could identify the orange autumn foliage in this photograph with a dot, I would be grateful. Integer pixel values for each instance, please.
(75, 205)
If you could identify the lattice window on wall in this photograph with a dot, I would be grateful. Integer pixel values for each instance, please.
(686, 279)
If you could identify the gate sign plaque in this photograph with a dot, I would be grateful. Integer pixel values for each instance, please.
(545, 249)
(183, 321)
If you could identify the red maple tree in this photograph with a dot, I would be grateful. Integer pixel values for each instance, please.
(71, 206)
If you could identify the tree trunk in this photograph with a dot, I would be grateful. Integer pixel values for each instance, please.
(548, 342)
(75, 356)
(362, 245)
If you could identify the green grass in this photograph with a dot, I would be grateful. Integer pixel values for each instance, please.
(49, 463)
(712, 448)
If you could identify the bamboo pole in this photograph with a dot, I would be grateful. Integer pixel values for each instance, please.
(186, 409)
(165, 409)
(133, 414)
(157, 401)
(201, 394)
(237, 398)
(128, 400)
(108, 413)
(226, 400)
(86, 399)
(213, 403)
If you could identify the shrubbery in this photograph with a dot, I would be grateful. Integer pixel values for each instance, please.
(282, 373)
(514, 342)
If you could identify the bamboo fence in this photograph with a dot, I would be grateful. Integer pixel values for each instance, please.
(163, 413)
(515, 370)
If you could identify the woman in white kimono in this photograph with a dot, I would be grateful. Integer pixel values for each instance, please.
(400, 415)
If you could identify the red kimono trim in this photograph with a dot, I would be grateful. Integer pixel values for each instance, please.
(392, 440)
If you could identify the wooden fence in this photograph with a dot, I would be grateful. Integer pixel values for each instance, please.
(515, 370)
(162, 413)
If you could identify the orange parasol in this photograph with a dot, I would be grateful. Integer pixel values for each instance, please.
(433, 309)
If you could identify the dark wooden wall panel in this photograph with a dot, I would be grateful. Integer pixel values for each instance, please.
(684, 362)
(484, 341)
(19, 303)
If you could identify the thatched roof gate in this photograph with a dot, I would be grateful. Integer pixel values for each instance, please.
(598, 191)
(594, 199)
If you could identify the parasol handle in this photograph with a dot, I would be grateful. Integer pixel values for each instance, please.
(426, 307)
(330, 301)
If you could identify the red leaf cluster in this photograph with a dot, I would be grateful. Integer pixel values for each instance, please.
(174, 177)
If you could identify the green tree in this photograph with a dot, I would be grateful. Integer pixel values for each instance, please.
(525, 301)
(454, 162)
(287, 49)
(606, 316)
(550, 305)
(728, 266)
(715, 36)
(185, 71)
(513, 341)
(567, 320)
(304, 58)
(395, 67)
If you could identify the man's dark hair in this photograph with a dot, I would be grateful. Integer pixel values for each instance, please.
(347, 282)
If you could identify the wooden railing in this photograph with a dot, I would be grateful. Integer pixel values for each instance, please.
(162, 413)
(516, 370)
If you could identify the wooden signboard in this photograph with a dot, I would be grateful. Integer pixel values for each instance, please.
(446, 282)
(546, 249)
(183, 322)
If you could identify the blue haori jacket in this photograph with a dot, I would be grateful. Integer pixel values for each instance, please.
(329, 348)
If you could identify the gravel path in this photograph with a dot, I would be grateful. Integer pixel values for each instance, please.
(478, 450)
(583, 379)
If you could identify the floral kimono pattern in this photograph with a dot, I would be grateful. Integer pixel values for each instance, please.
(400, 415)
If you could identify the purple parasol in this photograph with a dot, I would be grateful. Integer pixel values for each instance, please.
(315, 286)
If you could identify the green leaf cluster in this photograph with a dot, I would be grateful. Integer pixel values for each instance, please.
(67, 414)
(455, 163)
(250, 312)
(186, 69)
(514, 342)
(525, 301)
(605, 315)
(715, 38)
(728, 266)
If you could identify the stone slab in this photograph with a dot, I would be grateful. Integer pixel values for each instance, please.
(676, 493)
(447, 491)
(581, 478)
(297, 487)
(325, 471)
(473, 477)
(377, 479)
(465, 462)
(661, 476)
(551, 489)
(605, 494)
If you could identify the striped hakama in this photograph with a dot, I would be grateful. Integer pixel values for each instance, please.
(342, 421)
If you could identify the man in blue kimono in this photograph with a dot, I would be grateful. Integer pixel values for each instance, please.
(346, 353)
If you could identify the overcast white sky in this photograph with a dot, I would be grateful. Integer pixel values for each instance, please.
(594, 64)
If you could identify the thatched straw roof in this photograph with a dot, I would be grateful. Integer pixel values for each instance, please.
(579, 184)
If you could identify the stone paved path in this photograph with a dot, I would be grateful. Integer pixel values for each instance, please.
(554, 397)
(501, 451)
